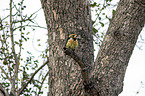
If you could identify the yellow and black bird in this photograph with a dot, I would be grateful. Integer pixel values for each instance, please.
(72, 42)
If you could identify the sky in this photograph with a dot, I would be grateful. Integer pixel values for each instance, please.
(134, 80)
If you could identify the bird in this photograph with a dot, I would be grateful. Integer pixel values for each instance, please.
(72, 42)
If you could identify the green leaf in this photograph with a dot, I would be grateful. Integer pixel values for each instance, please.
(20, 40)
(29, 52)
(94, 4)
(19, 15)
(24, 28)
(108, 17)
(94, 30)
(93, 22)
(108, 0)
(5, 62)
(38, 39)
(24, 6)
(99, 18)
(28, 33)
(16, 42)
(27, 68)
(98, 5)
(102, 24)
(103, 13)
(24, 38)
(46, 50)
(96, 43)
(113, 12)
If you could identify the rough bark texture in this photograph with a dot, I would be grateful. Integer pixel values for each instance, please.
(72, 16)
(117, 47)
(64, 17)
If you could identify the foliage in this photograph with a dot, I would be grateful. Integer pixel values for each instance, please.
(17, 65)
(102, 18)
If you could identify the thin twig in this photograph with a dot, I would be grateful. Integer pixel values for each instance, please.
(35, 12)
(30, 26)
(5, 17)
(25, 85)
(5, 73)
(43, 82)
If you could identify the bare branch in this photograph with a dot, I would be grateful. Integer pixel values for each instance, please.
(30, 26)
(43, 82)
(23, 20)
(35, 12)
(16, 7)
(28, 19)
(25, 85)
(5, 17)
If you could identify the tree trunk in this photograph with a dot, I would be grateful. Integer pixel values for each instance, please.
(117, 47)
(64, 17)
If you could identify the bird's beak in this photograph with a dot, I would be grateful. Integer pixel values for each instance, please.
(75, 36)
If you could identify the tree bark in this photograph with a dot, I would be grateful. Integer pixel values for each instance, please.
(64, 17)
(117, 46)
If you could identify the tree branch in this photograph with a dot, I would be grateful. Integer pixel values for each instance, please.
(5, 73)
(30, 26)
(88, 85)
(28, 19)
(3, 91)
(13, 51)
(43, 82)
(23, 87)
(5, 17)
